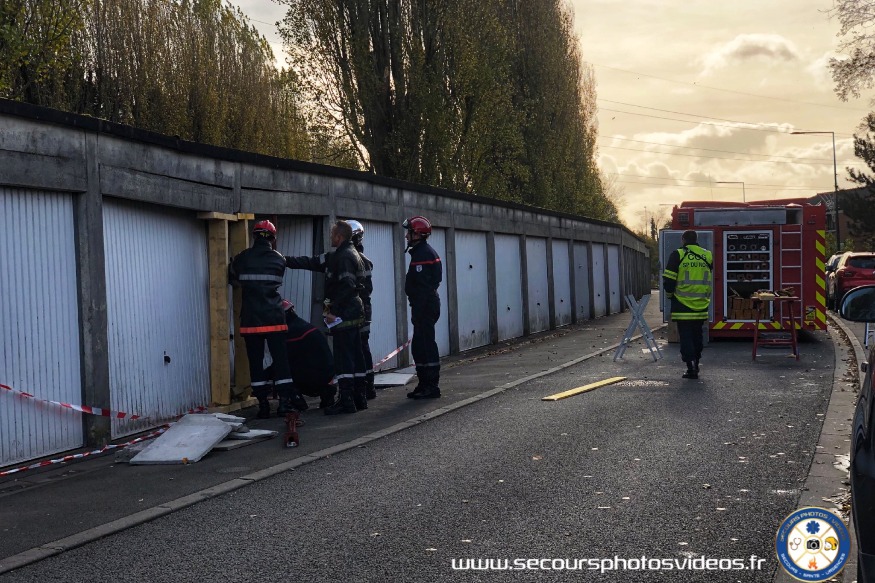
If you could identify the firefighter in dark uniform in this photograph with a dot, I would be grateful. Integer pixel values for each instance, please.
(343, 274)
(310, 359)
(424, 276)
(358, 237)
(687, 280)
(259, 271)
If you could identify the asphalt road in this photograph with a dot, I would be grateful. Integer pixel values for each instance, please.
(654, 466)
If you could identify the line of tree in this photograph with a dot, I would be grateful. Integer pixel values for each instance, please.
(482, 96)
(194, 69)
(488, 97)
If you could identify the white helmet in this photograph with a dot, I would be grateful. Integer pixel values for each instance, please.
(358, 231)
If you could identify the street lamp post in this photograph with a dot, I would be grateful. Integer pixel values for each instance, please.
(743, 193)
(835, 173)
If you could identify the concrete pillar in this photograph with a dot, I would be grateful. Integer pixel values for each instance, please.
(452, 291)
(93, 320)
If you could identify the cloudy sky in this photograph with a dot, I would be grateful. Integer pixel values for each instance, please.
(696, 92)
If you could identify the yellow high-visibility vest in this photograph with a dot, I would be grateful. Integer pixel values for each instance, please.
(694, 280)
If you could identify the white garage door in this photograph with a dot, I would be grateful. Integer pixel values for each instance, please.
(614, 277)
(295, 236)
(39, 324)
(536, 261)
(383, 243)
(600, 299)
(562, 283)
(157, 284)
(582, 275)
(472, 289)
(508, 282)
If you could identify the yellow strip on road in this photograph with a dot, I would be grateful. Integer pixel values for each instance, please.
(583, 389)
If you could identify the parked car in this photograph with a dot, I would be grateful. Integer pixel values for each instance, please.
(851, 270)
(829, 269)
(858, 305)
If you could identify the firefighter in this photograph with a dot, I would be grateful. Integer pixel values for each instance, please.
(343, 313)
(687, 281)
(423, 278)
(310, 360)
(259, 271)
(358, 236)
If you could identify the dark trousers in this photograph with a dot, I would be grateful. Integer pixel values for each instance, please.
(423, 346)
(348, 358)
(366, 350)
(276, 344)
(690, 334)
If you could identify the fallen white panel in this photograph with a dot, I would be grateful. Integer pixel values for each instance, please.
(254, 434)
(187, 441)
(392, 379)
(229, 418)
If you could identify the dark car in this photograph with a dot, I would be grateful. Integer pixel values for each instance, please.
(852, 270)
(858, 305)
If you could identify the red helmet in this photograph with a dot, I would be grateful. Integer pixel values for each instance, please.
(264, 227)
(419, 225)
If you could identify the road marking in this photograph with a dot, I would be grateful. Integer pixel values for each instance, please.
(583, 389)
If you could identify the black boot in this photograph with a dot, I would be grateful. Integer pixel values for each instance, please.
(421, 375)
(696, 365)
(292, 401)
(360, 394)
(428, 387)
(298, 402)
(263, 408)
(326, 399)
(371, 392)
(344, 404)
(691, 371)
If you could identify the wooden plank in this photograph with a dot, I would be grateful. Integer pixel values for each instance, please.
(220, 348)
(583, 389)
(238, 240)
(212, 215)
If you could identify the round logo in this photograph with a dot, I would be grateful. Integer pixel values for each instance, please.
(812, 544)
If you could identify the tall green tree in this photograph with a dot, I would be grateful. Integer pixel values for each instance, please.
(488, 97)
(192, 68)
(38, 48)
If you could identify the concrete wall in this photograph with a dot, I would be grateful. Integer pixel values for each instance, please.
(47, 150)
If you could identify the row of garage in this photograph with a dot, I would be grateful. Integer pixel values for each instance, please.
(157, 280)
(115, 244)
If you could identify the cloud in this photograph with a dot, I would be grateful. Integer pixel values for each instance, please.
(819, 69)
(771, 48)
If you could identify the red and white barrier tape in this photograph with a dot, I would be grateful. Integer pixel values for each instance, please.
(75, 456)
(393, 353)
(80, 408)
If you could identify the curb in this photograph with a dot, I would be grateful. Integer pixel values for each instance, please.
(816, 488)
(849, 573)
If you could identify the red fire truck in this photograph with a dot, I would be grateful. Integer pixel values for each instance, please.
(764, 245)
